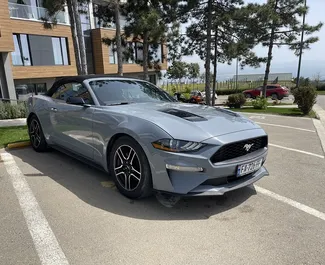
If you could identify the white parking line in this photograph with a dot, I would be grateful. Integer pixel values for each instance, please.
(285, 126)
(296, 150)
(46, 244)
(292, 203)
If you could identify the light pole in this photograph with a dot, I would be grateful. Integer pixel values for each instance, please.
(301, 44)
(237, 62)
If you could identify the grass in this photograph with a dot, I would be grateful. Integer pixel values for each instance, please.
(249, 103)
(278, 111)
(13, 135)
(321, 92)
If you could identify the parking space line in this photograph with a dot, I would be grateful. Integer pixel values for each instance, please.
(291, 202)
(253, 115)
(296, 150)
(46, 244)
(284, 126)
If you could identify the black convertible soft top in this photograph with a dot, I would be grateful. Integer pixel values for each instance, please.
(80, 79)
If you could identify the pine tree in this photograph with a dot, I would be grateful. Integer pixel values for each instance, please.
(280, 23)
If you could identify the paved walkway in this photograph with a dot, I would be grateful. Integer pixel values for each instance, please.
(321, 101)
(12, 122)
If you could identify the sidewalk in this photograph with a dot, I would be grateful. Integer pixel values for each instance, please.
(12, 122)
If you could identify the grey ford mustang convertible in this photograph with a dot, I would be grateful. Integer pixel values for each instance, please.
(147, 140)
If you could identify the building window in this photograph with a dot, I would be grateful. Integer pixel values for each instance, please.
(21, 55)
(24, 91)
(112, 54)
(39, 50)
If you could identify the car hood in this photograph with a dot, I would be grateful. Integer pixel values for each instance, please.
(191, 122)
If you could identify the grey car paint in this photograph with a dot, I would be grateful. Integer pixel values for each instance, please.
(88, 132)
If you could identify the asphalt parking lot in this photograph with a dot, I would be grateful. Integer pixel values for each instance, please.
(84, 220)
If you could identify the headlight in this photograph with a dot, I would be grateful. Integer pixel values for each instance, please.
(173, 145)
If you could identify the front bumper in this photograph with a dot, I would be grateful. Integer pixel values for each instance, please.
(209, 190)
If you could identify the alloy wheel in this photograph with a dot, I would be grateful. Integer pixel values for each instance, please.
(35, 133)
(127, 167)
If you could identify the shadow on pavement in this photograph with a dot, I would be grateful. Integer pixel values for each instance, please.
(85, 182)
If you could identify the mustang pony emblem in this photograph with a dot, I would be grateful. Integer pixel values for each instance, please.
(247, 147)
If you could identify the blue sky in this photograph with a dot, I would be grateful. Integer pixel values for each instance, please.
(284, 60)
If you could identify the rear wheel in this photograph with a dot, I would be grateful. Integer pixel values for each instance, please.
(248, 95)
(36, 135)
(275, 96)
(130, 168)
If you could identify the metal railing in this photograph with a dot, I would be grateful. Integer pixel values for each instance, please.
(34, 13)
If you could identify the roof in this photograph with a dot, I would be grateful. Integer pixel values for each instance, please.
(81, 78)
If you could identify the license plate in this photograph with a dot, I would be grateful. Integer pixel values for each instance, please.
(249, 168)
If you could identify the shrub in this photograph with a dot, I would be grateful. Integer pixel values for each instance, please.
(321, 87)
(305, 97)
(186, 95)
(12, 111)
(187, 90)
(236, 100)
(260, 103)
(223, 92)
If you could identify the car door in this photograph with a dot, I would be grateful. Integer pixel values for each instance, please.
(72, 124)
(270, 90)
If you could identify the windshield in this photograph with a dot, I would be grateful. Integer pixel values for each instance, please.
(127, 91)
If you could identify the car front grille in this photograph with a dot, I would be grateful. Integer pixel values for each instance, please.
(237, 149)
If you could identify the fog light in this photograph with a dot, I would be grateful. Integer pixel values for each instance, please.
(182, 168)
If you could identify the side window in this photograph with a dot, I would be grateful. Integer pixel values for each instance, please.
(73, 90)
(271, 87)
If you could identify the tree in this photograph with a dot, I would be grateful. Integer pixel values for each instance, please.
(177, 71)
(223, 23)
(147, 24)
(193, 71)
(53, 7)
(174, 42)
(110, 12)
(280, 23)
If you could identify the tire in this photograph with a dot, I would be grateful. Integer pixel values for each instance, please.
(248, 95)
(275, 96)
(129, 166)
(36, 135)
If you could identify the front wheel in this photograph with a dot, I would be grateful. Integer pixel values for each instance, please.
(36, 135)
(275, 96)
(130, 168)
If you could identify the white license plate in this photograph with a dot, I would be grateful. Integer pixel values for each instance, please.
(249, 168)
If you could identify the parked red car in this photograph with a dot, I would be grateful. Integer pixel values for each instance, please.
(275, 91)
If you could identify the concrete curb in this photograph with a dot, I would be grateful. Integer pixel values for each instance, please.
(320, 124)
(18, 145)
(13, 122)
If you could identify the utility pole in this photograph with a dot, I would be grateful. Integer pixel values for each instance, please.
(301, 45)
(237, 64)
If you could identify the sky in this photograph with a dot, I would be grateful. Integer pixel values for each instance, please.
(284, 60)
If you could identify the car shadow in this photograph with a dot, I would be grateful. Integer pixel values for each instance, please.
(96, 188)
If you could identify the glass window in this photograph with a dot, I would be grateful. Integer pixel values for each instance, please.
(16, 55)
(58, 58)
(64, 51)
(112, 55)
(39, 50)
(117, 91)
(21, 54)
(25, 49)
(73, 90)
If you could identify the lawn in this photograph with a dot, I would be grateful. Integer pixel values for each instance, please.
(277, 111)
(322, 92)
(249, 103)
(12, 135)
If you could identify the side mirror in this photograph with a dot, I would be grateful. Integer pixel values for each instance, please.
(76, 101)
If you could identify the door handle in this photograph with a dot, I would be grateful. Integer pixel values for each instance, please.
(54, 109)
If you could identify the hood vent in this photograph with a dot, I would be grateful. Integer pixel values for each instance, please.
(184, 114)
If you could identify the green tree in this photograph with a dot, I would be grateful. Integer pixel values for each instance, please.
(53, 7)
(177, 71)
(223, 23)
(280, 24)
(110, 12)
(193, 71)
(147, 24)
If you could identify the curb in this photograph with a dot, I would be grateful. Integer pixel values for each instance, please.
(18, 145)
(320, 124)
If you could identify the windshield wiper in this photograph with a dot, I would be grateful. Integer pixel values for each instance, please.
(119, 103)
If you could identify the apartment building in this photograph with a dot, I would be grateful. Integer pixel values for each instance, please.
(33, 57)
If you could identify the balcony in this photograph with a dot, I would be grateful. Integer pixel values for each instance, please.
(34, 13)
